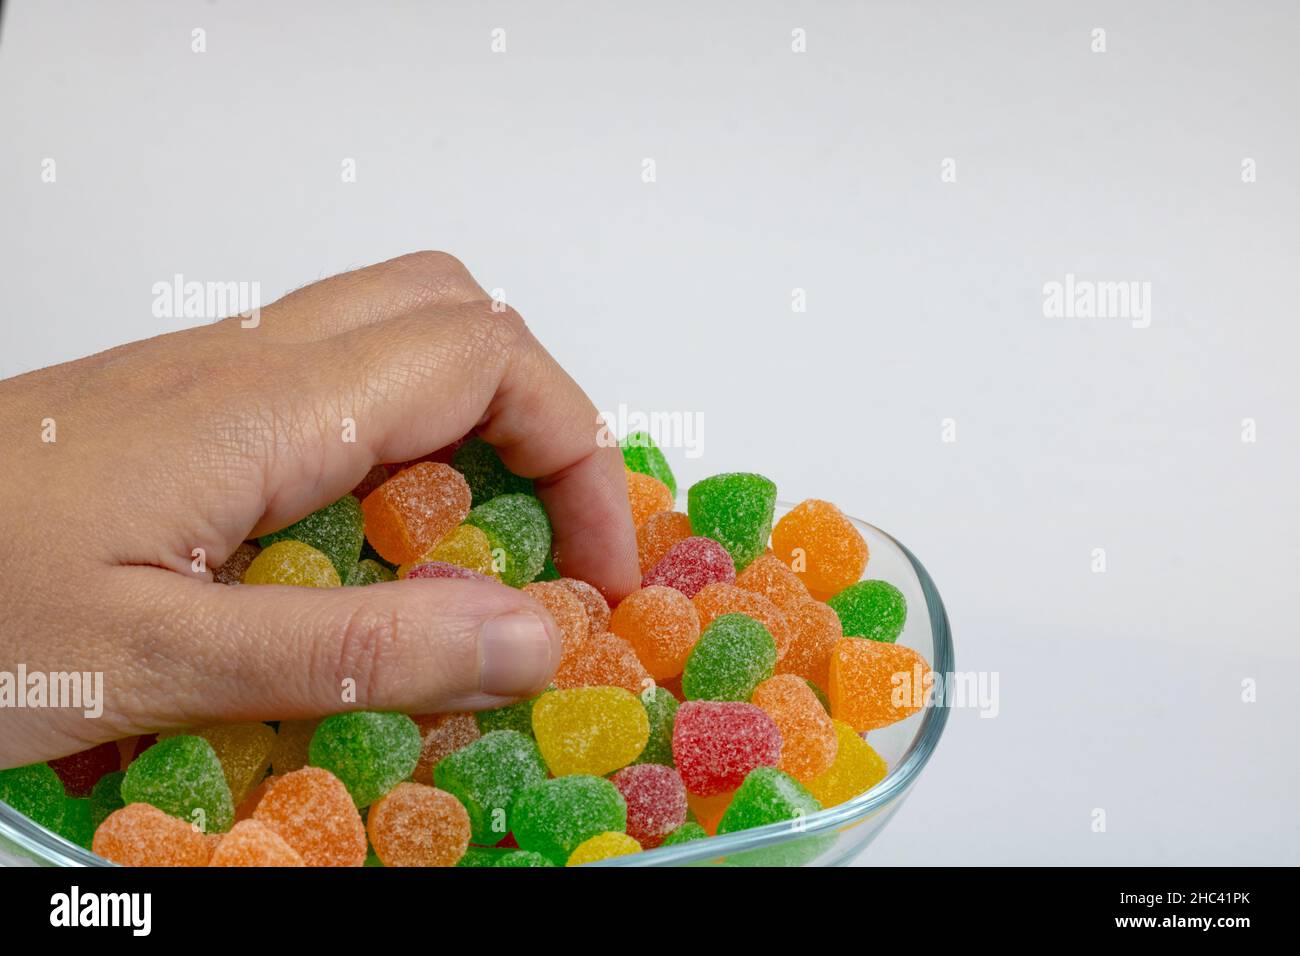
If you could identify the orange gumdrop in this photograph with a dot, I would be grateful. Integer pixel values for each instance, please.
(820, 545)
(709, 810)
(656, 536)
(250, 843)
(646, 495)
(769, 576)
(606, 660)
(312, 810)
(662, 626)
(415, 825)
(412, 511)
(141, 835)
(593, 602)
(719, 598)
(808, 741)
(814, 631)
(567, 609)
(440, 735)
(874, 684)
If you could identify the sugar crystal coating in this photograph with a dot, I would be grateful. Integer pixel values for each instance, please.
(717, 743)
(441, 569)
(523, 858)
(767, 796)
(369, 751)
(488, 776)
(641, 454)
(481, 856)
(182, 776)
(417, 825)
(661, 709)
(690, 564)
(656, 536)
(335, 531)
(244, 751)
(486, 474)
(142, 835)
(656, 801)
(603, 846)
(415, 509)
(590, 730)
(289, 752)
(605, 660)
(34, 791)
(368, 571)
(520, 534)
(593, 602)
(517, 717)
(735, 510)
(233, 568)
(646, 496)
(250, 843)
(822, 546)
(769, 576)
(566, 608)
(715, 600)
(814, 632)
(661, 624)
(808, 741)
(554, 816)
(78, 823)
(464, 546)
(874, 684)
(732, 657)
(107, 796)
(292, 563)
(314, 813)
(440, 736)
(245, 808)
(856, 769)
(80, 772)
(872, 609)
(685, 834)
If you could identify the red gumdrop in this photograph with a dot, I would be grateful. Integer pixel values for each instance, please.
(441, 569)
(690, 565)
(656, 801)
(717, 743)
(81, 771)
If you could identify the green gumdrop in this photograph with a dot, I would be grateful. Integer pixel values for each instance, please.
(487, 777)
(661, 707)
(516, 526)
(336, 530)
(106, 796)
(733, 656)
(182, 776)
(734, 510)
(640, 453)
(685, 834)
(370, 751)
(485, 473)
(554, 816)
(522, 858)
(517, 716)
(872, 609)
(35, 791)
(549, 571)
(477, 856)
(78, 825)
(767, 795)
(366, 572)
(787, 853)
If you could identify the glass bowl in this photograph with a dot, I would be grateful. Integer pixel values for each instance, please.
(832, 837)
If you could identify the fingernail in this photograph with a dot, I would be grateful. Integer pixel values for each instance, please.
(514, 655)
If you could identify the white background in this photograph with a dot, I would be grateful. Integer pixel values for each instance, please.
(819, 171)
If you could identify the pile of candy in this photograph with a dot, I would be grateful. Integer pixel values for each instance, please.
(733, 690)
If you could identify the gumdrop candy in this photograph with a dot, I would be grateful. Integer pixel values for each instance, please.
(441, 569)
(554, 816)
(685, 833)
(808, 741)
(440, 736)
(814, 632)
(517, 717)
(525, 858)
(641, 454)
(590, 730)
(656, 801)
(244, 751)
(735, 510)
(78, 823)
(465, 547)
(661, 624)
(874, 684)
(769, 576)
(486, 474)
(290, 750)
(606, 660)
(717, 743)
(690, 564)
(872, 609)
(733, 656)
(593, 602)
(602, 846)
(245, 808)
(480, 856)
(661, 709)
(549, 572)
(182, 776)
(314, 813)
(566, 608)
(715, 600)
(292, 563)
(34, 791)
(821, 545)
(82, 770)
(657, 535)
(335, 530)
(250, 843)
(368, 571)
(415, 509)
(142, 835)
(767, 796)
(708, 811)
(233, 568)
(488, 777)
(107, 796)
(646, 496)
(520, 534)
(857, 768)
(418, 825)
(370, 751)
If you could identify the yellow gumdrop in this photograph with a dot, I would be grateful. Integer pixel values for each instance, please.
(292, 562)
(244, 751)
(465, 547)
(601, 847)
(594, 730)
(856, 769)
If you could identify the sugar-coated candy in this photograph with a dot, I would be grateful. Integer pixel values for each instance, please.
(641, 454)
(656, 536)
(415, 509)
(370, 751)
(233, 568)
(251, 843)
(517, 717)
(808, 741)
(441, 569)
(690, 564)
(593, 602)
(289, 752)
(605, 660)
(872, 609)
(335, 531)
(245, 808)
(107, 796)
(314, 813)
(714, 600)
(142, 835)
(590, 730)
(685, 833)
(78, 823)
(856, 769)
(646, 496)
(182, 776)
(819, 694)
(660, 708)
(602, 846)
(661, 624)
(735, 510)
(549, 571)
(480, 856)
(821, 545)
(554, 816)
(519, 532)
(417, 825)
(368, 571)
(524, 858)
(716, 743)
(292, 563)
(82, 770)
(767, 796)
(814, 631)
(708, 811)
(441, 735)
(734, 654)
(769, 576)
(488, 777)
(486, 474)
(244, 751)
(465, 546)
(656, 801)
(567, 610)
(873, 683)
